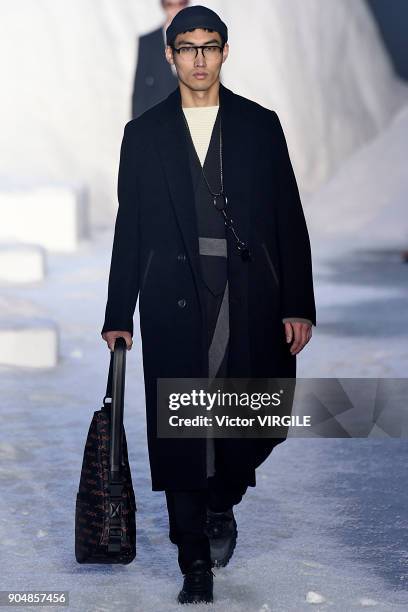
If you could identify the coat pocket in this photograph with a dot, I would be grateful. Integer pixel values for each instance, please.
(146, 270)
(270, 264)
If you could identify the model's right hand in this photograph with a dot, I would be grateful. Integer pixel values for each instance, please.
(110, 337)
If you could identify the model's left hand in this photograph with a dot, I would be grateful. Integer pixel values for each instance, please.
(299, 332)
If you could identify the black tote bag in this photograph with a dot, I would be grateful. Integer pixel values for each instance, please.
(105, 512)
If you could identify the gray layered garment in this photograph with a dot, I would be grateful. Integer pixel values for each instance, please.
(213, 257)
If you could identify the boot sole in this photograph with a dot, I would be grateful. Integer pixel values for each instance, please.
(194, 600)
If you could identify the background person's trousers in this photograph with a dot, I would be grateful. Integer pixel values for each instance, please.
(187, 516)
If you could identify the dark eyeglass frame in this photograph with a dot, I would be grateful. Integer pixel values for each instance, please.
(197, 47)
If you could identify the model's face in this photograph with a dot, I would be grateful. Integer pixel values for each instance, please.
(198, 73)
(172, 7)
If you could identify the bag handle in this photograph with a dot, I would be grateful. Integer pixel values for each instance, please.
(115, 391)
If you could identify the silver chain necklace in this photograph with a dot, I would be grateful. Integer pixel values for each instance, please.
(242, 246)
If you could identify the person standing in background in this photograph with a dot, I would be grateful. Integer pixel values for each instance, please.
(154, 77)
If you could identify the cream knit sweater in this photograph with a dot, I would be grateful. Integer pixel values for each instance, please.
(201, 121)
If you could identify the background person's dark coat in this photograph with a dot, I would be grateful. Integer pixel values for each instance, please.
(155, 251)
(154, 78)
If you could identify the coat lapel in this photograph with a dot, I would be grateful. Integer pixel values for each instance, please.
(171, 138)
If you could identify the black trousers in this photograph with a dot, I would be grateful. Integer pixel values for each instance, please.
(188, 509)
(187, 516)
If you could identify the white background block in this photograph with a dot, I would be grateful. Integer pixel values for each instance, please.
(52, 216)
(30, 343)
(21, 263)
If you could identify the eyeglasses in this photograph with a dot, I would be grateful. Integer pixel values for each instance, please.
(191, 52)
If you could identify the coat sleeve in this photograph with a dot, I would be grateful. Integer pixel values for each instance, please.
(123, 285)
(297, 295)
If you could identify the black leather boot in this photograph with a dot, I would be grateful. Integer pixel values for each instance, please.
(198, 584)
(221, 529)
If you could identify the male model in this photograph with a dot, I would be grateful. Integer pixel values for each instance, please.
(211, 235)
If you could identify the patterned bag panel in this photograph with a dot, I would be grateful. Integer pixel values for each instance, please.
(92, 513)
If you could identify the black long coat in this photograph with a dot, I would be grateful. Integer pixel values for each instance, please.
(155, 256)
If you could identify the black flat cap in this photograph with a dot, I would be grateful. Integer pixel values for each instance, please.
(193, 17)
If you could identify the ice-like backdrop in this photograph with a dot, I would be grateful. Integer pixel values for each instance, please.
(326, 522)
(67, 72)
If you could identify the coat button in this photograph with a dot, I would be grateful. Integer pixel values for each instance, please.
(181, 257)
(182, 303)
(149, 80)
